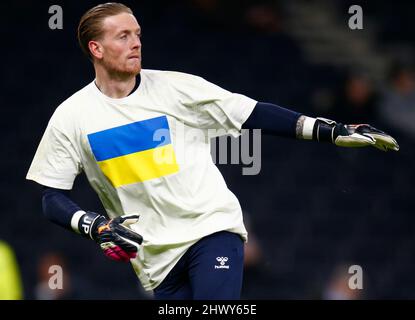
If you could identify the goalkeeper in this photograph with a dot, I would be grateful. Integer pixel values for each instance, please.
(187, 242)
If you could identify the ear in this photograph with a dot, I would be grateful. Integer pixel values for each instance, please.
(96, 49)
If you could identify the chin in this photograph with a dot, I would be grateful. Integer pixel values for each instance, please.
(133, 70)
(137, 70)
(127, 73)
(125, 70)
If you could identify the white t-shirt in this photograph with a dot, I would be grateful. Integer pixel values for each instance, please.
(149, 154)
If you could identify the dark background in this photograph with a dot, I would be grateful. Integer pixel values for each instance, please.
(313, 209)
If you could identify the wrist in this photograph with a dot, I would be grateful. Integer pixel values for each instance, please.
(325, 130)
(85, 223)
(304, 128)
(319, 129)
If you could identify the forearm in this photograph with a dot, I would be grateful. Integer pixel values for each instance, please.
(283, 122)
(59, 208)
(273, 119)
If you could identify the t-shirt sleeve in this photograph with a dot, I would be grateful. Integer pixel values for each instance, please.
(216, 109)
(56, 162)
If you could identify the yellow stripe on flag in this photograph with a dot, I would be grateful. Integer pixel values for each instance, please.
(140, 166)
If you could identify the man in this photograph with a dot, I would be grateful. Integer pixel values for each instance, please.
(125, 131)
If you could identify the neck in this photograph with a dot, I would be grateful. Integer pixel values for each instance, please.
(114, 86)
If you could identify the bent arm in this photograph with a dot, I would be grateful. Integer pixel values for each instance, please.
(115, 239)
(59, 208)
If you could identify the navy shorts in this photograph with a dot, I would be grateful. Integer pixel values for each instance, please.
(210, 269)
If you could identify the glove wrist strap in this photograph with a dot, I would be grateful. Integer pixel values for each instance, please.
(319, 129)
(84, 222)
(326, 130)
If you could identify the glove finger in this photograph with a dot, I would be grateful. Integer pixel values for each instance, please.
(385, 142)
(132, 255)
(354, 140)
(127, 247)
(121, 253)
(118, 243)
(117, 254)
(127, 234)
(126, 244)
(114, 252)
(130, 219)
(112, 238)
(127, 219)
(120, 225)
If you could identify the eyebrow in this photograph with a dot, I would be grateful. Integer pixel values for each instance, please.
(129, 31)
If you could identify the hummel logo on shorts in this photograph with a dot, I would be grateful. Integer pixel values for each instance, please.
(222, 261)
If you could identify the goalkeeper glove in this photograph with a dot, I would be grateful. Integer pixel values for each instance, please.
(353, 135)
(114, 237)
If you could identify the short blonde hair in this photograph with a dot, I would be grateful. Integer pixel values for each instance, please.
(90, 25)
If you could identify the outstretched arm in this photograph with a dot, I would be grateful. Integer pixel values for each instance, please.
(114, 237)
(279, 121)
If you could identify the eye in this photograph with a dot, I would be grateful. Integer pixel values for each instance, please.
(124, 36)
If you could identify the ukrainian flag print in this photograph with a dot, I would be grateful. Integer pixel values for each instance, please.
(135, 152)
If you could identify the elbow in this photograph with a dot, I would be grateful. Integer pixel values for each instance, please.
(47, 196)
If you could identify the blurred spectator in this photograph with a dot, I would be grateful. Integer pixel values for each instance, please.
(356, 101)
(337, 288)
(252, 252)
(253, 273)
(263, 17)
(77, 285)
(397, 108)
(252, 248)
(43, 290)
(10, 282)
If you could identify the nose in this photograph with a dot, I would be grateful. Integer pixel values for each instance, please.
(136, 43)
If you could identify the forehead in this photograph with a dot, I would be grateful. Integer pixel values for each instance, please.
(120, 22)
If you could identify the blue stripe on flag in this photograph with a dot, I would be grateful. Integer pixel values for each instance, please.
(130, 138)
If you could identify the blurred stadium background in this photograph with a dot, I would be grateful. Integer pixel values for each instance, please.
(313, 209)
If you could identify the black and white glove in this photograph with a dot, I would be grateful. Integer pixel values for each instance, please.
(116, 239)
(352, 135)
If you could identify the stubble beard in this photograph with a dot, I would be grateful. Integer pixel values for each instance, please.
(121, 73)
